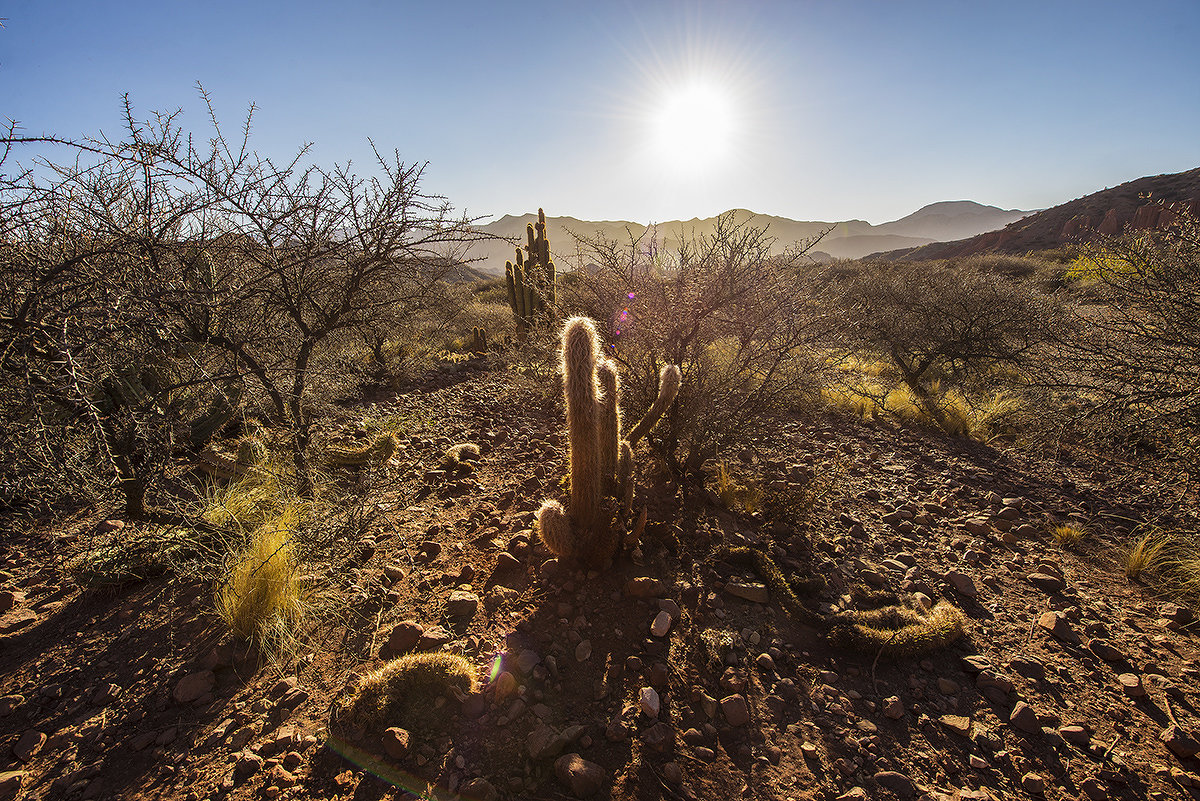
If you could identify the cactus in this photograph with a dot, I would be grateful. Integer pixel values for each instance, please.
(580, 347)
(530, 281)
(609, 424)
(220, 412)
(600, 461)
(479, 343)
(668, 388)
(379, 450)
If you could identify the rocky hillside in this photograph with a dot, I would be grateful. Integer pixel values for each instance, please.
(677, 673)
(1133, 205)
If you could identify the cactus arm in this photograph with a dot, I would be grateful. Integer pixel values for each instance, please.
(609, 429)
(668, 388)
(580, 345)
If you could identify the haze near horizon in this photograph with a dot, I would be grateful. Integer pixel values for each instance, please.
(649, 112)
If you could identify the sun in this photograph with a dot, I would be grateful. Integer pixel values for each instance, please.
(693, 127)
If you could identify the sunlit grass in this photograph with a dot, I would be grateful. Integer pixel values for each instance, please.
(1146, 555)
(262, 597)
(1067, 536)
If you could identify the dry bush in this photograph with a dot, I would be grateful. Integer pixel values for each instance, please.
(948, 332)
(743, 326)
(1132, 360)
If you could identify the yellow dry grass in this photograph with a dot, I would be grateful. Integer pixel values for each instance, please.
(1146, 555)
(1067, 536)
(263, 598)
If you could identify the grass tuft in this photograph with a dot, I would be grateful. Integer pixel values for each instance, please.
(1067, 536)
(1146, 555)
(262, 598)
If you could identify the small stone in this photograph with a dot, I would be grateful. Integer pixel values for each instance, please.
(948, 686)
(505, 686)
(1105, 650)
(583, 651)
(396, 742)
(659, 737)
(462, 604)
(194, 686)
(673, 773)
(749, 591)
(898, 783)
(526, 661)
(893, 708)
(1094, 789)
(661, 624)
(10, 704)
(962, 583)
(765, 663)
(583, 777)
(649, 702)
(1076, 735)
(958, 724)
(9, 599)
(643, 587)
(402, 639)
(1033, 783)
(1131, 685)
(1056, 624)
(479, 789)
(1025, 718)
(246, 766)
(1045, 582)
(30, 745)
(736, 710)
(1182, 743)
(11, 782)
(433, 638)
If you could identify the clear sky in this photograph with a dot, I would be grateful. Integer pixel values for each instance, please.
(647, 110)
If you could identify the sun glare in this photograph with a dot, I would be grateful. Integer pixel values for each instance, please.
(693, 128)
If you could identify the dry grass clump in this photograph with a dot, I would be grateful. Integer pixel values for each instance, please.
(404, 691)
(735, 495)
(262, 597)
(1146, 555)
(1170, 559)
(1067, 536)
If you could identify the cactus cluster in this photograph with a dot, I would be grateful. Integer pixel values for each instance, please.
(378, 450)
(532, 288)
(219, 464)
(479, 343)
(601, 461)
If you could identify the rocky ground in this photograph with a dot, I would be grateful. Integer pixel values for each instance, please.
(673, 674)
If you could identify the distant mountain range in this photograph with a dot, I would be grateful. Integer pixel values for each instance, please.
(846, 240)
(1133, 205)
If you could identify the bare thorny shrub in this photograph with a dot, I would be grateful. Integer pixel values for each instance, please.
(937, 326)
(1131, 362)
(153, 272)
(743, 324)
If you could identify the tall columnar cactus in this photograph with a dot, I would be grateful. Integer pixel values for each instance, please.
(530, 280)
(601, 462)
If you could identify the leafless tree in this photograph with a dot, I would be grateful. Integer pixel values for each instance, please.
(941, 320)
(742, 323)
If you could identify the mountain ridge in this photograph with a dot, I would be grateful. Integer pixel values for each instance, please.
(843, 239)
(1133, 205)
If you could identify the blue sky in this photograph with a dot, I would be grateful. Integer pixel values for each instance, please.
(814, 110)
